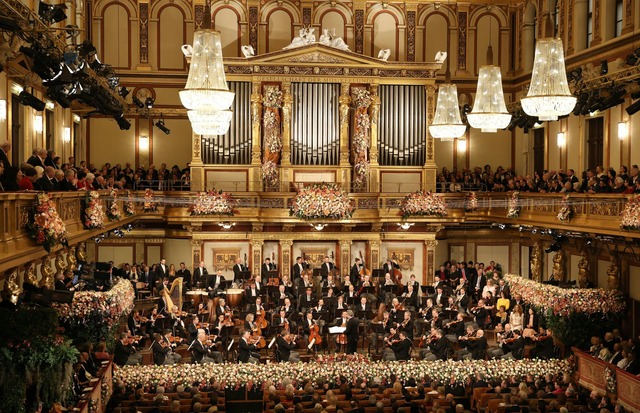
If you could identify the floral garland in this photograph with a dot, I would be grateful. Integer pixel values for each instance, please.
(94, 215)
(273, 101)
(567, 210)
(45, 226)
(324, 200)
(471, 202)
(564, 301)
(423, 203)
(270, 173)
(232, 376)
(273, 98)
(631, 214)
(213, 203)
(610, 380)
(113, 211)
(361, 98)
(362, 101)
(513, 204)
(129, 206)
(107, 306)
(149, 204)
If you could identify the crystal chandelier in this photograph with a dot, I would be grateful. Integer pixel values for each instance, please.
(206, 95)
(549, 96)
(446, 123)
(489, 110)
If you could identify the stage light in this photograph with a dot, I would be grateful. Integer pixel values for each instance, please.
(604, 68)
(122, 122)
(137, 102)
(123, 92)
(52, 13)
(149, 102)
(160, 125)
(27, 99)
(633, 108)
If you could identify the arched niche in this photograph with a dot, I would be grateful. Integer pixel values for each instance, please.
(432, 24)
(171, 35)
(336, 17)
(279, 24)
(386, 26)
(115, 44)
(226, 20)
(489, 25)
(529, 34)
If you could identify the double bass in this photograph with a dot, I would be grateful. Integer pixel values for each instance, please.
(364, 270)
(396, 275)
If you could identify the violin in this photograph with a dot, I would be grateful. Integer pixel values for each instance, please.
(174, 339)
(290, 338)
(428, 339)
(228, 318)
(140, 319)
(133, 339)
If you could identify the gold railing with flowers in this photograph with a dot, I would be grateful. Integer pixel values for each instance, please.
(471, 202)
(45, 226)
(423, 203)
(258, 375)
(631, 214)
(322, 201)
(149, 204)
(213, 203)
(567, 210)
(272, 104)
(113, 209)
(514, 206)
(94, 216)
(361, 142)
(129, 206)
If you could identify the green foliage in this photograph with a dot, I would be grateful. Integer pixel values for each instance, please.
(576, 329)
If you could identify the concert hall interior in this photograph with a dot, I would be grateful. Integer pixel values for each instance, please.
(308, 206)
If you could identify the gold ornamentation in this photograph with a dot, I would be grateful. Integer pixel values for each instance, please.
(314, 257)
(431, 243)
(61, 265)
(69, 209)
(558, 271)
(534, 262)
(584, 270)
(404, 258)
(29, 274)
(72, 262)
(46, 274)
(602, 208)
(81, 252)
(315, 57)
(224, 260)
(613, 274)
(11, 285)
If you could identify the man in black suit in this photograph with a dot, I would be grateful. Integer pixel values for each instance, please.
(161, 269)
(440, 298)
(351, 331)
(214, 283)
(514, 349)
(69, 181)
(247, 352)
(238, 268)
(437, 348)
(46, 182)
(306, 301)
(5, 147)
(38, 157)
(200, 274)
(286, 347)
(267, 266)
(184, 272)
(354, 275)
(201, 353)
(125, 353)
(477, 283)
(161, 356)
(326, 267)
(297, 268)
(441, 274)
(477, 345)
(389, 266)
(399, 350)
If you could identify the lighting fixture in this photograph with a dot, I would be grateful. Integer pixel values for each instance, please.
(122, 122)
(405, 225)
(50, 105)
(123, 92)
(76, 118)
(623, 130)
(206, 94)
(149, 102)
(143, 142)
(38, 124)
(16, 89)
(66, 134)
(137, 102)
(3, 110)
(561, 139)
(28, 99)
(604, 68)
(489, 110)
(318, 226)
(52, 13)
(160, 125)
(633, 108)
(446, 123)
(227, 225)
(549, 96)
(462, 145)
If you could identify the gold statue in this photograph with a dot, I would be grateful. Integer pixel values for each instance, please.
(613, 274)
(30, 274)
(11, 285)
(535, 262)
(558, 266)
(584, 271)
(82, 252)
(61, 265)
(47, 274)
(72, 263)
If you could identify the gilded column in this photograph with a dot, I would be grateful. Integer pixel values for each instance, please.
(628, 17)
(287, 105)
(196, 251)
(256, 138)
(285, 265)
(345, 258)
(429, 177)
(374, 178)
(197, 167)
(143, 25)
(462, 40)
(597, 36)
(358, 14)
(374, 250)
(427, 279)
(47, 279)
(514, 260)
(411, 32)
(535, 262)
(344, 100)
(256, 254)
(253, 26)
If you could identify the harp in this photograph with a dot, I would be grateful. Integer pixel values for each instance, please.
(174, 295)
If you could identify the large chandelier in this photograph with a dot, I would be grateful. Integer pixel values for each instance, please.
(489, 110)
(447, 123)
(206, 95)
(549, 96)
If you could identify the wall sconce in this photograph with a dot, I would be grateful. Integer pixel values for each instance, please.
(623, 130)
(462, 145)
(562, 140)
(66, 134)
(76, 118)
(49, 105)
(143, 143)
(37, 124)
(3, 110)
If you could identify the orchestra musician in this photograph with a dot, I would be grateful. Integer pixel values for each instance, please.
(185, 274)
(201, 351)
(267, 266)
(125, 353)
(440, 298)
(306, 301)
(514, 348)
(297, 268)
(281, 321)
(441, 274)
(438, 346)
(280, 295)
(464, 352)
(384, 329)
(410, 297)
(480, 313)
(247, 350)
(398, 349)
(496, 352)
(413, 282)
(340, 306)
(354, 274)
(162, 354)
(364, 307)
(288, 307)
(326, 267)
(285, 346)
(134, 323)
(222, 308)
(192, 329)
(390, 265)
(476, 345)
(406, 325)
(455, 328)
(545, 346)
(351, 331)
(238, 268)
(214, 283)
(252, 292)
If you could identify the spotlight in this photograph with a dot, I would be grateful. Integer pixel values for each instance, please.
(87, 50)
(633, 108)
(122, 122)
(502, 226)
(52, 13)
(28, 99)
(604, 68)
(137, 102)
(97, 240)
(534, 231)
(553, 248)
(160, 125)
(520, 228)
(9, 24)
(149, 102)
(123, 92)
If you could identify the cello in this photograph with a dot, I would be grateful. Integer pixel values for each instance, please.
(314, 334)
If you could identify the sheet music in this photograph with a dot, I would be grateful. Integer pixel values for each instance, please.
(337, 330)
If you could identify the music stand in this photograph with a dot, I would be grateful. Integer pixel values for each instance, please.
(59, 296)
(245, 275)
(368, 290)
(320, 272)
(390, 288)
(272, 274)
(224, 285)
(351, 300)
(378, 273)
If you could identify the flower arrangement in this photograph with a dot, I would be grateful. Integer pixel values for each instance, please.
(610, 380)
(213, 203)
(326, 200)
(631, 214)
(94, 215)
(107, 306)
(272, 102)
(149, 204)
(129, 206)
(270, 173)
(513, 205)
(470, 202)
(272, 98)
(329, 368)
(113, 211)
(423, 203)
(45, 226)
(361, 141)
(566, 210)
(361, 98)
(564, 301)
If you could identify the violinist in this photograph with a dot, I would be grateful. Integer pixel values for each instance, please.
(288, 307)
(406, 325)
(462, 300)
(455, 328)
(496, 352)
(214, 284)
(222, 308)
(134, 323)
(162, 354)
(150, 325)
(280, 321)
(125, 353)
(340, 305)
(285, 346)
(410, 297)
(436, 321)
(514, 348)
(178, 324)
(201, 351)
(220, 330)
(440, 298)
(247, 350)
(390, 266)
(438, 346)
(424, 316)
(398, 349)
(252, 292)
(281, 294)
(192, 329)
(476, 345)
(319, 311)
(249, 323)
(384, 328)
(480, 313)
(307, 324)
(470, 335)
(545, 347)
